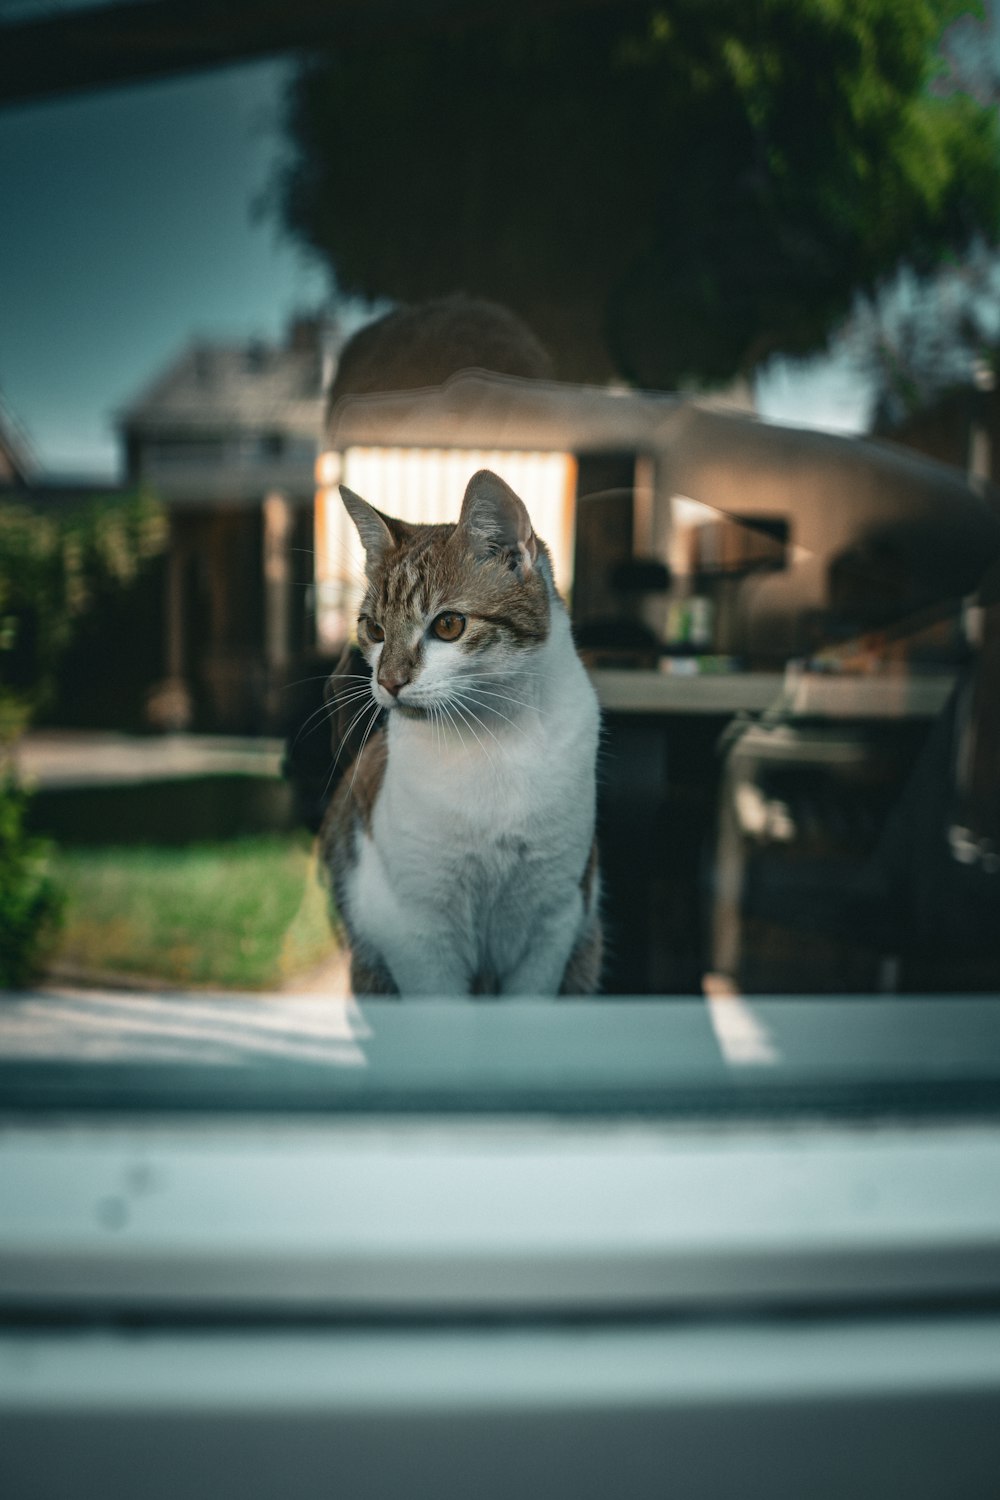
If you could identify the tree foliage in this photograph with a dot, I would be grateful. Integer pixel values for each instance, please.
(920, 338)
(673, 192)
(52, 567)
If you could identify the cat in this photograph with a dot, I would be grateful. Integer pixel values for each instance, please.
(461, 846)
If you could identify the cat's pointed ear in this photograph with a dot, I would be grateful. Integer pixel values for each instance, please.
(496, 522)
(373, 527)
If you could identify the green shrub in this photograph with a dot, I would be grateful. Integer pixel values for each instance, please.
(52, 569)
(30, 901)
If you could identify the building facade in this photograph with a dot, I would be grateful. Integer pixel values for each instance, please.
(226, 438)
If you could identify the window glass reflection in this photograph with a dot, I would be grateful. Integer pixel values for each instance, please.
(793, 633)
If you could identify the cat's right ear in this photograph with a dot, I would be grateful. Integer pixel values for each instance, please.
(373, 527)
(496, 522)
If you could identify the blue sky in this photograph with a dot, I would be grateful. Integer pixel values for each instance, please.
(127, 231)
(829, 391)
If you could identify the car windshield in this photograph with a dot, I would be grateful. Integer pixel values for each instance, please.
(631, 366)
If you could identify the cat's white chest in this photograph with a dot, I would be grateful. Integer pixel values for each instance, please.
(478, 845)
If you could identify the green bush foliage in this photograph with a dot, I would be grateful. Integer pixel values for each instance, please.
(51, 568)
(30, 901)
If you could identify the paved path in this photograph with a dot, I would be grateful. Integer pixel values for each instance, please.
(67, 758)
(331, 977)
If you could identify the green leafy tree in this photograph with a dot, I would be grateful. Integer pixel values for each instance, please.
(671, 192)
(919, 338)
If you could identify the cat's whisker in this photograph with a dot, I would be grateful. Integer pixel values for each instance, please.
(327, 709)
(354, 705)
(324, 710)
(504, 697)
(501, 678)
(448, 722)
(332, 703)
(301, 681)
(333, 768)
(350, 683)
(478, 719)
(350, 694)
(502, 688)
(364, 741)
(451, 720)
(470, 708)
(359, 715)
(488, 708)
(457, 725)
(472, 720)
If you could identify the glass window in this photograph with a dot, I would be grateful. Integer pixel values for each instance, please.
(712, 296)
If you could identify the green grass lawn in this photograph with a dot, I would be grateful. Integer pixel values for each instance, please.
(244, 914)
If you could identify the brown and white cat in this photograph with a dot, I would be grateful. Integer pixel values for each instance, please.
(461, 843)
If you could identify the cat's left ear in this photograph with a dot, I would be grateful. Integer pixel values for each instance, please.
(374, 529)
(496, 522)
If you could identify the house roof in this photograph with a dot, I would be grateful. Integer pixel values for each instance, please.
(233, 388)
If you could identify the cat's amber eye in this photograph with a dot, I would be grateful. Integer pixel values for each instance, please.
(375, 632)
(449, 626)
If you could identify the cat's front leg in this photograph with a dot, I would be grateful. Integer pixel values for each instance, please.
(540, 968)
(401, 942)
(403, 935)
(423, 965)
(419, 952)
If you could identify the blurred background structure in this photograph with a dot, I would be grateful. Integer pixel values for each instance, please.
(226, 438)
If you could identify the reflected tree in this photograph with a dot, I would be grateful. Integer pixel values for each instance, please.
(672, 193)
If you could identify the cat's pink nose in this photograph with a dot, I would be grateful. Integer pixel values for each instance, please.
(393, 683)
